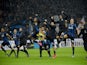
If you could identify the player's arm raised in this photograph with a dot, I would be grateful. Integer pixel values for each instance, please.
(77, 30)
(9, 36)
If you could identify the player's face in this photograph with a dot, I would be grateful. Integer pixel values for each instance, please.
(60, 17)
(2, 30)
(65, 36)
(30, 17)
(45, 23)
(15, 31)
(35, 19)
(52, 23)
(43, 28)
(71, 21)
(20, 29)
(66, 21)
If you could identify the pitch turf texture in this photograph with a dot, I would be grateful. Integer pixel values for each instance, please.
(64, 57)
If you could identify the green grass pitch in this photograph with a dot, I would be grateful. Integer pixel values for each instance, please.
(64, 57)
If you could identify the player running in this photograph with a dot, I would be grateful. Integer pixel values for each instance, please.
(5, 39)
(15, 37)
(22, 37)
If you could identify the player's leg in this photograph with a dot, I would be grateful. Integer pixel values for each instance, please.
(26, 51)
(85, 46)
(48, 49)
(2, 47)
(23, 49)
(65, 37)
(54, 48)
(40, 48)
(18, 49)
(72, 44)
(73, 48)
(23, 44)
(12, 50)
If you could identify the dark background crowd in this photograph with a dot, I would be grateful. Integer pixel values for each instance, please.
(30, 14)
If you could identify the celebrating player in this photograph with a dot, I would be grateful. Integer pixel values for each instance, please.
(5, 36)
(43, 42)
(22, 37)
(71, 33)
(15, 37)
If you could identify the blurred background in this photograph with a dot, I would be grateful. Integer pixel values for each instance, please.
(14, 10)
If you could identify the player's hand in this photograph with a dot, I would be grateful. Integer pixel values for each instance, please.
(57, 37)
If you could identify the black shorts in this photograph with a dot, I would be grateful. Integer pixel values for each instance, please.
(22, 43)
(17, 43)
(45, 47)
(6, 43)
(72, 38)
(52, 40)
(85, 45)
